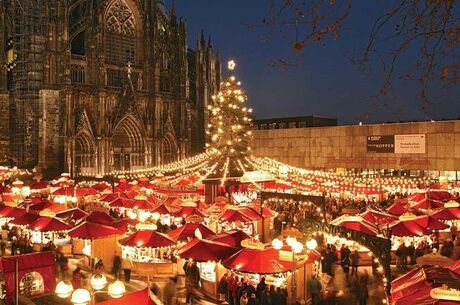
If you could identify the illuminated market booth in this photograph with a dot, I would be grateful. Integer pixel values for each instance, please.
(95, 241)
(150, 251)
(208, 254)
(48, 228)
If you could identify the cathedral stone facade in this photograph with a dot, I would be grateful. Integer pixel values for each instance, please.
(96, 86)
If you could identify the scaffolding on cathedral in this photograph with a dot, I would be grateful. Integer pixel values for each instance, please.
(29, 28)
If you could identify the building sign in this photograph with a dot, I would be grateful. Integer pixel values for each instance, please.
(381, 144)
(445, 293)
(399, 144)
(410, 144)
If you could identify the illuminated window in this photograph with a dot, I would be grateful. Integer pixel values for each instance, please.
(120, 36)
(31, 284)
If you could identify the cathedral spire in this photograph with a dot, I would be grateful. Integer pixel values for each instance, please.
(173, 8)
(203, 42)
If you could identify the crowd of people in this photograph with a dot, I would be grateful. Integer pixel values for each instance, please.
(238, 290)
(17, 240)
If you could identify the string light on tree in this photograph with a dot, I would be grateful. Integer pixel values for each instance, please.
(228, 130)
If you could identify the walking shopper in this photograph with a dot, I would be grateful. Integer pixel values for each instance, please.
(170, 291)
(127, 265)
(315, 289)
(354, 256)
(116, 266)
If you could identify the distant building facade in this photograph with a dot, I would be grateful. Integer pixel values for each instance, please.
(412, 148)
(294, 122)
(92, 86)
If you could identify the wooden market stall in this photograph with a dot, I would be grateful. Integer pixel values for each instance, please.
(150, 251)
(208, 254)
(96, 241)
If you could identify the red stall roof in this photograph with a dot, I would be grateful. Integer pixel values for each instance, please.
(89, 230)
(203, 250)
(147, 239)
(183, 233)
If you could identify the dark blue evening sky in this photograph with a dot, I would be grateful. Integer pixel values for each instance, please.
(325, 83)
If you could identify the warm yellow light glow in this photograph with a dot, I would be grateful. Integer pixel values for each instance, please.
(116, 289)
(80, 297)
(231, 65)
(277, 244)
(64, 289)
(312, 244)
(98, 281)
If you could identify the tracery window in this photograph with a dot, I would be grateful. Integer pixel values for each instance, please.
(120, 37)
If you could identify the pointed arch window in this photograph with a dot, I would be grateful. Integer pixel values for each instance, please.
(120, 36)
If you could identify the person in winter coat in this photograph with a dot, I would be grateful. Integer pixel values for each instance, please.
(315, 289)
(116, 266)
(222, 289)
(127, 266)
(244, 298)
(170, 291)
(260, 288)
(354, 256)
(253, 300)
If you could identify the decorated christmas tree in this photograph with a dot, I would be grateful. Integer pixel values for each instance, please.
(228, 131)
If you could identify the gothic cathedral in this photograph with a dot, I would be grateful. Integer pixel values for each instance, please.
(96, 86)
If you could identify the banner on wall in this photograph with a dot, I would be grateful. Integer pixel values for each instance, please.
(410, 144)
(399, 144)
(381, 144)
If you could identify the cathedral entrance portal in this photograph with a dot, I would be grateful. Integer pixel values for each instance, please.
(128, 146)
(84, 153)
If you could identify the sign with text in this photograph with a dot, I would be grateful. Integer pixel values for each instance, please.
(410, 144)
(399, 144)
(381, 144)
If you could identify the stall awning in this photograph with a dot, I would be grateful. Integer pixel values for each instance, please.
(161, 209)
(232, 238)
(49, 224)
(234, 215)
(377, 217)
(112, 196)
(183, 233)
(265, 261)
(63, 191)
(100, 217)
(39, 185)
(86, 191)
(25, 219)
(398, 208)
(203, 250)
(121, 202)
(122, 224)
(355, 223)
(11, 212)
(415, 286)
(147, 239)
(450, 211)
(72, 214)
(431, 194)
(188, 211)
(430, 223)
(89, 230)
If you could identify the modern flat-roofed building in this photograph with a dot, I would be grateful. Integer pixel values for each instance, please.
(294, 122)
(424, 148)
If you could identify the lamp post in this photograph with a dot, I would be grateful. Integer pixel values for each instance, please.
(82, 296)
(296, 248)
